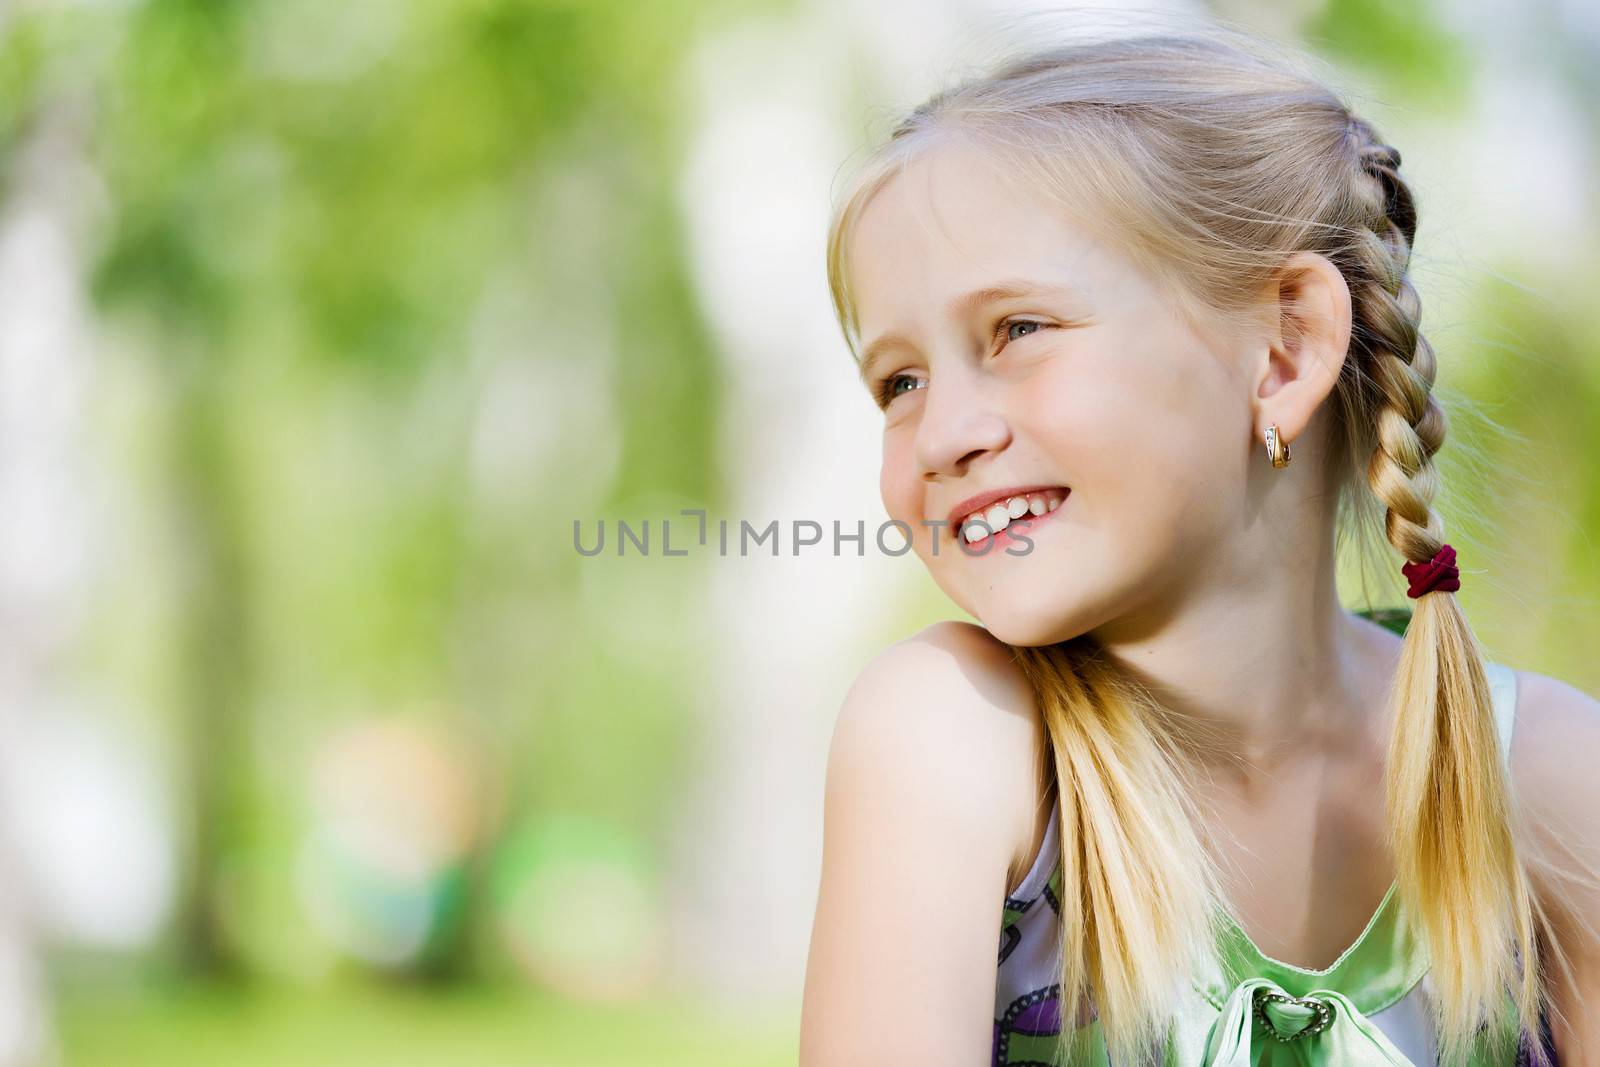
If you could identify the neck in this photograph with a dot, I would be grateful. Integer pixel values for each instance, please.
(1259, 664)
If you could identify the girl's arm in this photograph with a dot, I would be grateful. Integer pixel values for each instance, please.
(928, 799)
(1555, 755)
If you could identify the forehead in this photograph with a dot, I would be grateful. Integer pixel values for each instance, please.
(953, 221)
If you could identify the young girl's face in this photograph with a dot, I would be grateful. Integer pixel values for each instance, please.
(1082, 383)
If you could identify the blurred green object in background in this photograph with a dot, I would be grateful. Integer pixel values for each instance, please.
(577, 909)
(1396, 619)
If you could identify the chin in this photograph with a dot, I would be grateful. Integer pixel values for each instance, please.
(1027, 619)
(1021, 636)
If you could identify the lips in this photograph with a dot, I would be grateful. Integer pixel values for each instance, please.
(979, 537)
(987, 514)
(984, 501)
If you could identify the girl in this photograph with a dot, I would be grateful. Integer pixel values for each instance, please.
(1138, 317)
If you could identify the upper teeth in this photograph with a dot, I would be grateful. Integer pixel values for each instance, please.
(998, 516)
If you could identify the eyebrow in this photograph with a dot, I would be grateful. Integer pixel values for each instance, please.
(961, 307)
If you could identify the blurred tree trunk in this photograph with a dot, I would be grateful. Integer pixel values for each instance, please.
(214, 657)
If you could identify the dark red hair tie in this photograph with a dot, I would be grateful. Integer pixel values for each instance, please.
(1438, 573)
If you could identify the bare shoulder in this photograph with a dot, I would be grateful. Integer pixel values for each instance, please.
(920, 811)
(1555, 749)
(950, 707)
(956, 654)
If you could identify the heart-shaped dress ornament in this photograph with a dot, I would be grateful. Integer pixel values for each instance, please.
(1291, 1018)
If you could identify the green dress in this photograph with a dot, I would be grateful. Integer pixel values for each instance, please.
(1367, 1009)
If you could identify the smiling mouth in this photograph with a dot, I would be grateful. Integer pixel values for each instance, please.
(1027, 510)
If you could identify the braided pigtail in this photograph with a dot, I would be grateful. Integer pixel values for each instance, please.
(1448, 795)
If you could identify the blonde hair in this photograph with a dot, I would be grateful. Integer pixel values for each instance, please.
(1211, 162)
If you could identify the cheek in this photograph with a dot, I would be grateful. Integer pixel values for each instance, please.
(897, 480)
(1076, 410)
(1135, 429)
(903, 492)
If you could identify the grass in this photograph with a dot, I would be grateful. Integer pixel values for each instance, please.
(360, 1026)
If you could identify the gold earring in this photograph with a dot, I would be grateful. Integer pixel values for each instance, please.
(1277, 447)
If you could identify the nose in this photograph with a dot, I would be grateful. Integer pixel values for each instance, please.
(958, 424)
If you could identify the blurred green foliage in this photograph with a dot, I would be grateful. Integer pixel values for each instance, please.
(1404, 46)
(360, 1026)
(311, 211)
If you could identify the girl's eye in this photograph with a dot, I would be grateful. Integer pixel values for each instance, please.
(889, 389)
(1008, 325)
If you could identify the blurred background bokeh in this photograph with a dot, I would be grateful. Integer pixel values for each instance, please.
(320, 326)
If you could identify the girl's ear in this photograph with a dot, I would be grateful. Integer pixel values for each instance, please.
(1305, 345)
